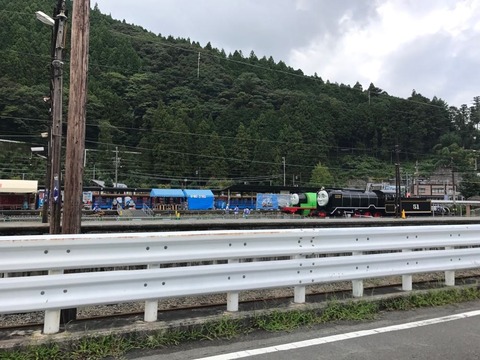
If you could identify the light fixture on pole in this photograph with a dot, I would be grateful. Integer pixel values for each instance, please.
(37, 149)
(44, 18)
(47, 20)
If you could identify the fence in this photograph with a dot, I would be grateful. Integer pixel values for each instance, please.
(218, 262)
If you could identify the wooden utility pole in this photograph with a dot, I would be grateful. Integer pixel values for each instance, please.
(72, 214)
(55, 186)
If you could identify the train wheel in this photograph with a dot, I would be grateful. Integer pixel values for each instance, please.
(322, 214)
(377, 214)
(367, 213)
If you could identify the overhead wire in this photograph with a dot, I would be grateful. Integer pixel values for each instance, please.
(206, 53)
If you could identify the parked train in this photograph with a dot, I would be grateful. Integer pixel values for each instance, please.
(20, 194)
(354, 203)
(156, 199)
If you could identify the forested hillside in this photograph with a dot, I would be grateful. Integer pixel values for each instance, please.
(179, 110)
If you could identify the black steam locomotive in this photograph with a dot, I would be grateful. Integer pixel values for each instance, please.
(355, 203)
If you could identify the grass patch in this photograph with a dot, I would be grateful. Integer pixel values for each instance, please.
(431, 299)
(116, 346)
(351, 311)
(96, 348)
(226, 328)
(285, 320)
(50, 351)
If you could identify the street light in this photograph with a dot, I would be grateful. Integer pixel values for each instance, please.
(47, 20)
(58, 36)
(37, 149)
(44, 18)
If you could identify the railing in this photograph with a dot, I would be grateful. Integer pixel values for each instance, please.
(307, 256)
(146, 209)
(168, 207)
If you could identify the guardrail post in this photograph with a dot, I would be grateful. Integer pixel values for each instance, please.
(357, 285)
(450, 278)
(232, 297)
(51, 323)
(151, 306)
(407, 280)
(299, 290)
(449, 274)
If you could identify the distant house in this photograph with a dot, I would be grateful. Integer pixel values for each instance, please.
(439, 186)
(18, 194)
(434, 190)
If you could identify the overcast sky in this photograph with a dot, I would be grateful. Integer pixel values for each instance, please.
(432, 46)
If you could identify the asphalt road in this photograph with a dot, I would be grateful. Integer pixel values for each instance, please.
(445, 333)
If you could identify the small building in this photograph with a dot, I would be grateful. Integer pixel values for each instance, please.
(18, 194)
(199, 199)
(434, 190)
(167, 199)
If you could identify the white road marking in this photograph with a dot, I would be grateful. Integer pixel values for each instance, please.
(340, 337)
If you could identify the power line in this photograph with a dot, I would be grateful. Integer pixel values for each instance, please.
(160, 131)
(208, 53)
(205, 53)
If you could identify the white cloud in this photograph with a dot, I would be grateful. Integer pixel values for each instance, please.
(403, 33)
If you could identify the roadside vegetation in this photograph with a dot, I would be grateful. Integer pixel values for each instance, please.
(117, 346)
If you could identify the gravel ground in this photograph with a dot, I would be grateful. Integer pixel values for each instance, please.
(12, 320)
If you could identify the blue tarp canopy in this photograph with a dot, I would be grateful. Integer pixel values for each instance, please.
(178, 193)
(199, 199)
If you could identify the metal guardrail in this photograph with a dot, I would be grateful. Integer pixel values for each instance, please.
(80, 289)
(307, 256)
(53, 252)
